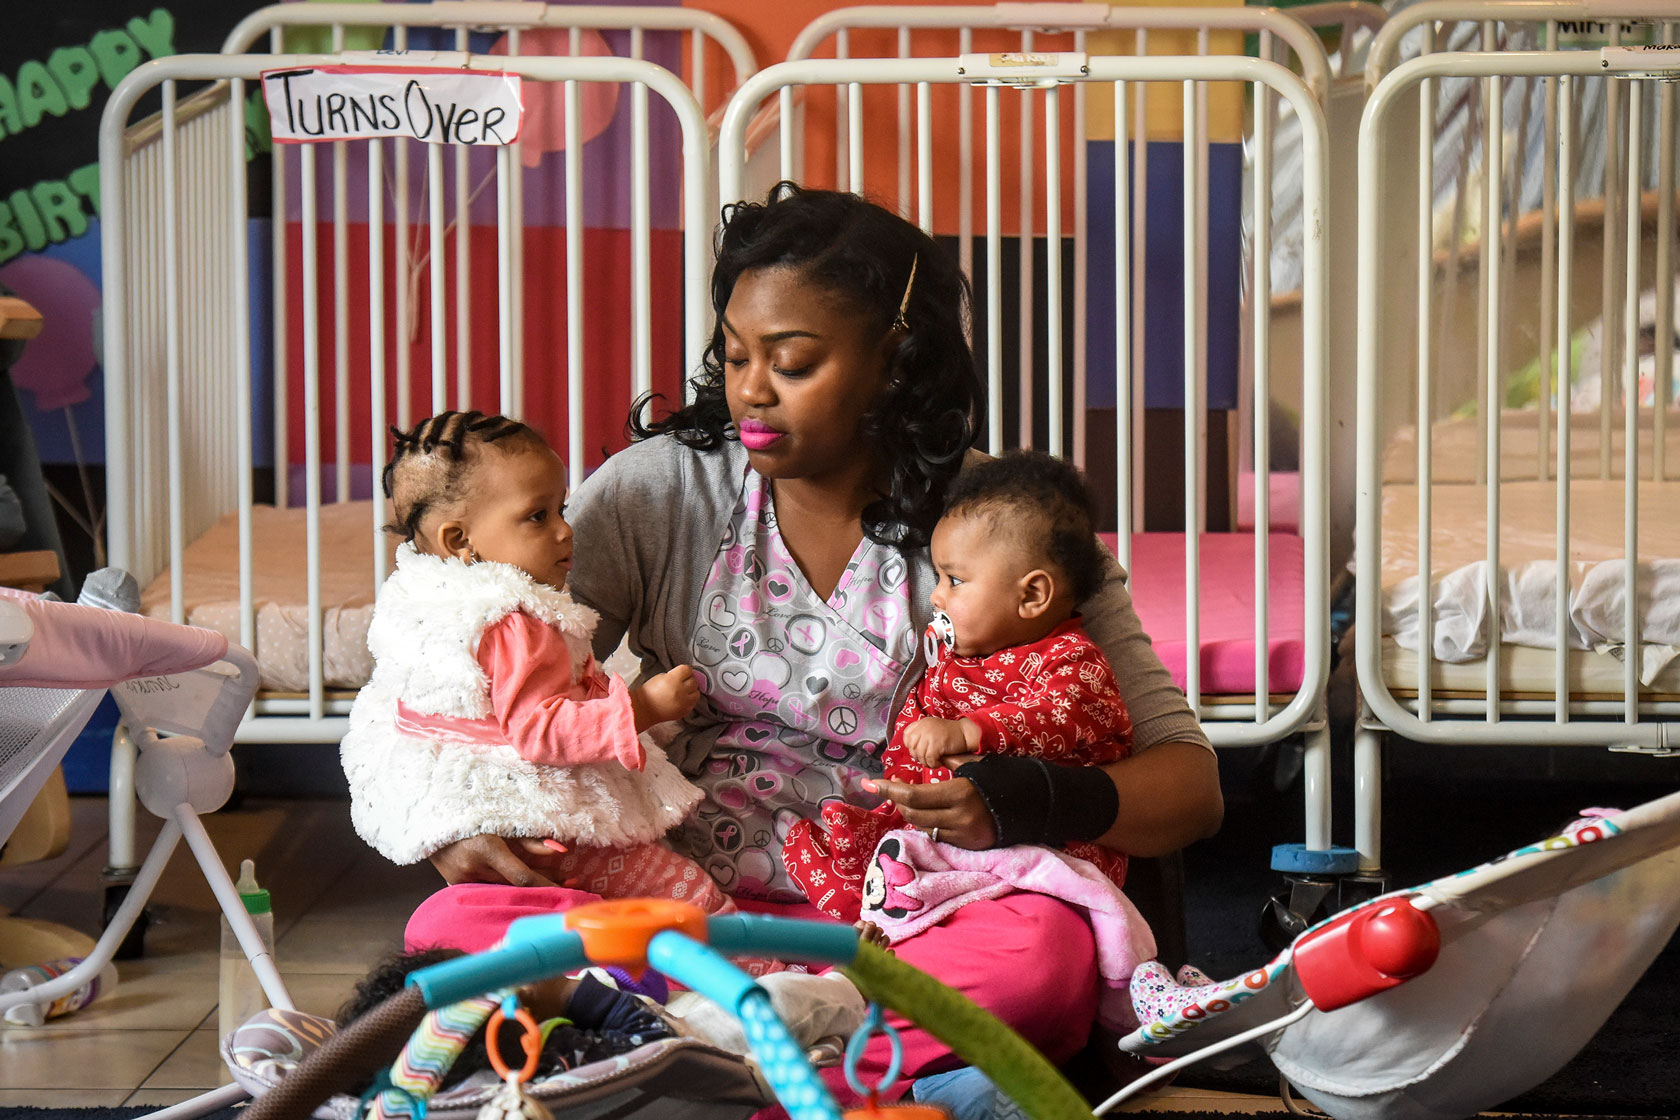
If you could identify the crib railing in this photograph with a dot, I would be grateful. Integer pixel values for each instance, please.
(1571, 714)
(181, 316)
(1047, 76)
(1453, 128)
(1032, 27)
(523, 29)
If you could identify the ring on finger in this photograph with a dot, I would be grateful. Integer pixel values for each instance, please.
(934, 835)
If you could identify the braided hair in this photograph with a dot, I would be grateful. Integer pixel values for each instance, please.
(1044, 503)
(863, 255)
(430, 462)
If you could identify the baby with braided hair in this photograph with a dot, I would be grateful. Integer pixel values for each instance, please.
(486, 704)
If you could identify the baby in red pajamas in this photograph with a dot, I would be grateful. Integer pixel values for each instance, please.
(1010, 668)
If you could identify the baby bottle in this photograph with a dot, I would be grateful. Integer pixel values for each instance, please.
(239, 992)
(34, 1014)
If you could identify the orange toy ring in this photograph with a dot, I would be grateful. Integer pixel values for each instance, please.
(530, 1042)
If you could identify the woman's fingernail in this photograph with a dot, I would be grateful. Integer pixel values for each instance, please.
(870, 786)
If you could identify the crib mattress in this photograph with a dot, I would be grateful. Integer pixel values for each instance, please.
(1524, 673)
(1527, 543)
(1226, 585)
(280, 591)
(280, 595)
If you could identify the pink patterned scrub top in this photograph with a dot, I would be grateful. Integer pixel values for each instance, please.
(802, 686)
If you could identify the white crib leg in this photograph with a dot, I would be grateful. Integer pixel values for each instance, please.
(1367, 793)
(120, 864)
(1315, 767)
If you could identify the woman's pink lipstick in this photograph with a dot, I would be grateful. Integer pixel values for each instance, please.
(757, 435)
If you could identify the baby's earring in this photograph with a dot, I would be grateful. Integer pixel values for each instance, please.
(472, 555)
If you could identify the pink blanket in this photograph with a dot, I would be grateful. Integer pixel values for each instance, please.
(913, 884)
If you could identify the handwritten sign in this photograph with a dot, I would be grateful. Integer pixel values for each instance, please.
(1596, 33)
(1024, 69)
(440, 106)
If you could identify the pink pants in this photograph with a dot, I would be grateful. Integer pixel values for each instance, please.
(645, 871)
(1029, 959)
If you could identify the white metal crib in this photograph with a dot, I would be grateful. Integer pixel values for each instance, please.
(1242, 721)
(1061, 427)
(181, 417)
(1496, 549)
(187, 423)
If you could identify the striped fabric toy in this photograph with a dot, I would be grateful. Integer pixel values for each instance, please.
(431, 1050)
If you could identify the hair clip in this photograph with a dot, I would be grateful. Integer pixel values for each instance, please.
(901, 323)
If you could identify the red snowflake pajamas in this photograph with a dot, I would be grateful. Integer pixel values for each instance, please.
(1054, 699)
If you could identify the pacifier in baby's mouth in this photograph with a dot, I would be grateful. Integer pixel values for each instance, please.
(940, 632)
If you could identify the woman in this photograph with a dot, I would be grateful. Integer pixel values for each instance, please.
(773, 533)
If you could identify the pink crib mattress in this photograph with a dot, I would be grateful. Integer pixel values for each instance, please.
(1284, 501)
(1227, 608)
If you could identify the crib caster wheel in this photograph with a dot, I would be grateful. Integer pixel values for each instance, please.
(1305, 900)
(1295, 907)
(133, 946)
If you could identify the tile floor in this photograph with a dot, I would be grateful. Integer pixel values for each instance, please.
(338, 906)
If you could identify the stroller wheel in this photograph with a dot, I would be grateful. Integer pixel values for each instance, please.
(133, 945)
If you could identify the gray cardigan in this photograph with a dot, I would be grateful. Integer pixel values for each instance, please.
(648, 526)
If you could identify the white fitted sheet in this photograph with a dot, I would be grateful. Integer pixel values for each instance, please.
(1525, 672)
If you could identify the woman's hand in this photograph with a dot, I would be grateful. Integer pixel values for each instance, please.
(953, 807)
(492, 859)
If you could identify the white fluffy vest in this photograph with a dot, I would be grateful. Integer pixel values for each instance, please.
(412, 795)
(431, 614)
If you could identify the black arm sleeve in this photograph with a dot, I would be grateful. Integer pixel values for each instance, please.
(1037, 802)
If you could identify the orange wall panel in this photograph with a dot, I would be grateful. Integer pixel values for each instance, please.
(771, 29)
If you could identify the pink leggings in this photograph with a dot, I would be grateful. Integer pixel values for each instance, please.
(645, 871)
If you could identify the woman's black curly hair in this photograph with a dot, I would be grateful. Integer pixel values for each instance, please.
(933, 404)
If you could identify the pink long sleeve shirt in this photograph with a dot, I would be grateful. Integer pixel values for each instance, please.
(538, 706)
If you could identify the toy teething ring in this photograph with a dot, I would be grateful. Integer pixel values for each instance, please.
(530, 1042)
(873, 1023)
